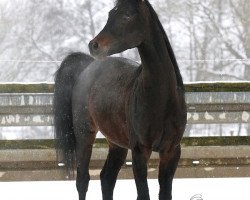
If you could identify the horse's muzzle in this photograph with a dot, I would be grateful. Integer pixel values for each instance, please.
(99, 46)
(93, 47)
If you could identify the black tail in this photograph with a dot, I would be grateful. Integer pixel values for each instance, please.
(65, 78)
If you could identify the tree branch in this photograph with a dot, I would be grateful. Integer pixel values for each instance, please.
(227, 43)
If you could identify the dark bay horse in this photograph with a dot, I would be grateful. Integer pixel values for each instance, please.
(137, 107)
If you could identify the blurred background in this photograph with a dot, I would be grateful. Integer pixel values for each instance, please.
(211, 40)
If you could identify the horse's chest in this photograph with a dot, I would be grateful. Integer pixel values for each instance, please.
(147, 126)
(151, 122)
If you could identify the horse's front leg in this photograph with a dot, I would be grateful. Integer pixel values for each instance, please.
(140, 156)
(112, 166)
(168, 164)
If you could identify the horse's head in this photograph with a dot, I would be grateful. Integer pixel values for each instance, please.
(125, 29)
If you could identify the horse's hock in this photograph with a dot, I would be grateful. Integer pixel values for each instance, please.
(208, 103)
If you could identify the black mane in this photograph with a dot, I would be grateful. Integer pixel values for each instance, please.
(170, 50)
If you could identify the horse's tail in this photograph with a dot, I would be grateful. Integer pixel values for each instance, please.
(65, 78)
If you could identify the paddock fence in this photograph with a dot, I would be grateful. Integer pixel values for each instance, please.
(30, 105)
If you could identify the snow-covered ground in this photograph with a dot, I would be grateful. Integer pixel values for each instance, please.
(183, 189)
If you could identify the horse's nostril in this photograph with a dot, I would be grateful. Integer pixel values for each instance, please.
(95, 46)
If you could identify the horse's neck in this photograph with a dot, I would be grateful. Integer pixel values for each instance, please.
(158, 71)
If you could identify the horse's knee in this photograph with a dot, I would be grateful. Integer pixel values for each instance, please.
(82, 182)
(114, 162)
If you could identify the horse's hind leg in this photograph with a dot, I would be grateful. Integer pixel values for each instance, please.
(140, 156)
(85, 137)
(83, 155)
(168, 164)
(112, 166)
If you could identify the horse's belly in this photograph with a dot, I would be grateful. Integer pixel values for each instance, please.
(108, 98)
(115, 135)
(108, 113)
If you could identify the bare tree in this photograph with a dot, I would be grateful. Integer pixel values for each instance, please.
(200, 31)
(231, 29)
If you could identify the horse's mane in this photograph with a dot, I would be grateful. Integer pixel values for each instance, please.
(169, 48)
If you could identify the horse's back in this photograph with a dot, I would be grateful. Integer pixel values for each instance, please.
(102, 91)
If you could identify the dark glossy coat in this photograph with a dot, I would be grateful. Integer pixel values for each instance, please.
(137, 107)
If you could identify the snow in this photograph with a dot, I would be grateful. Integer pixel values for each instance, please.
(183, 189)
(245, 116)
(208, 116)
(26, 83)
(213, 82)
(196, 116)
(222, 116)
